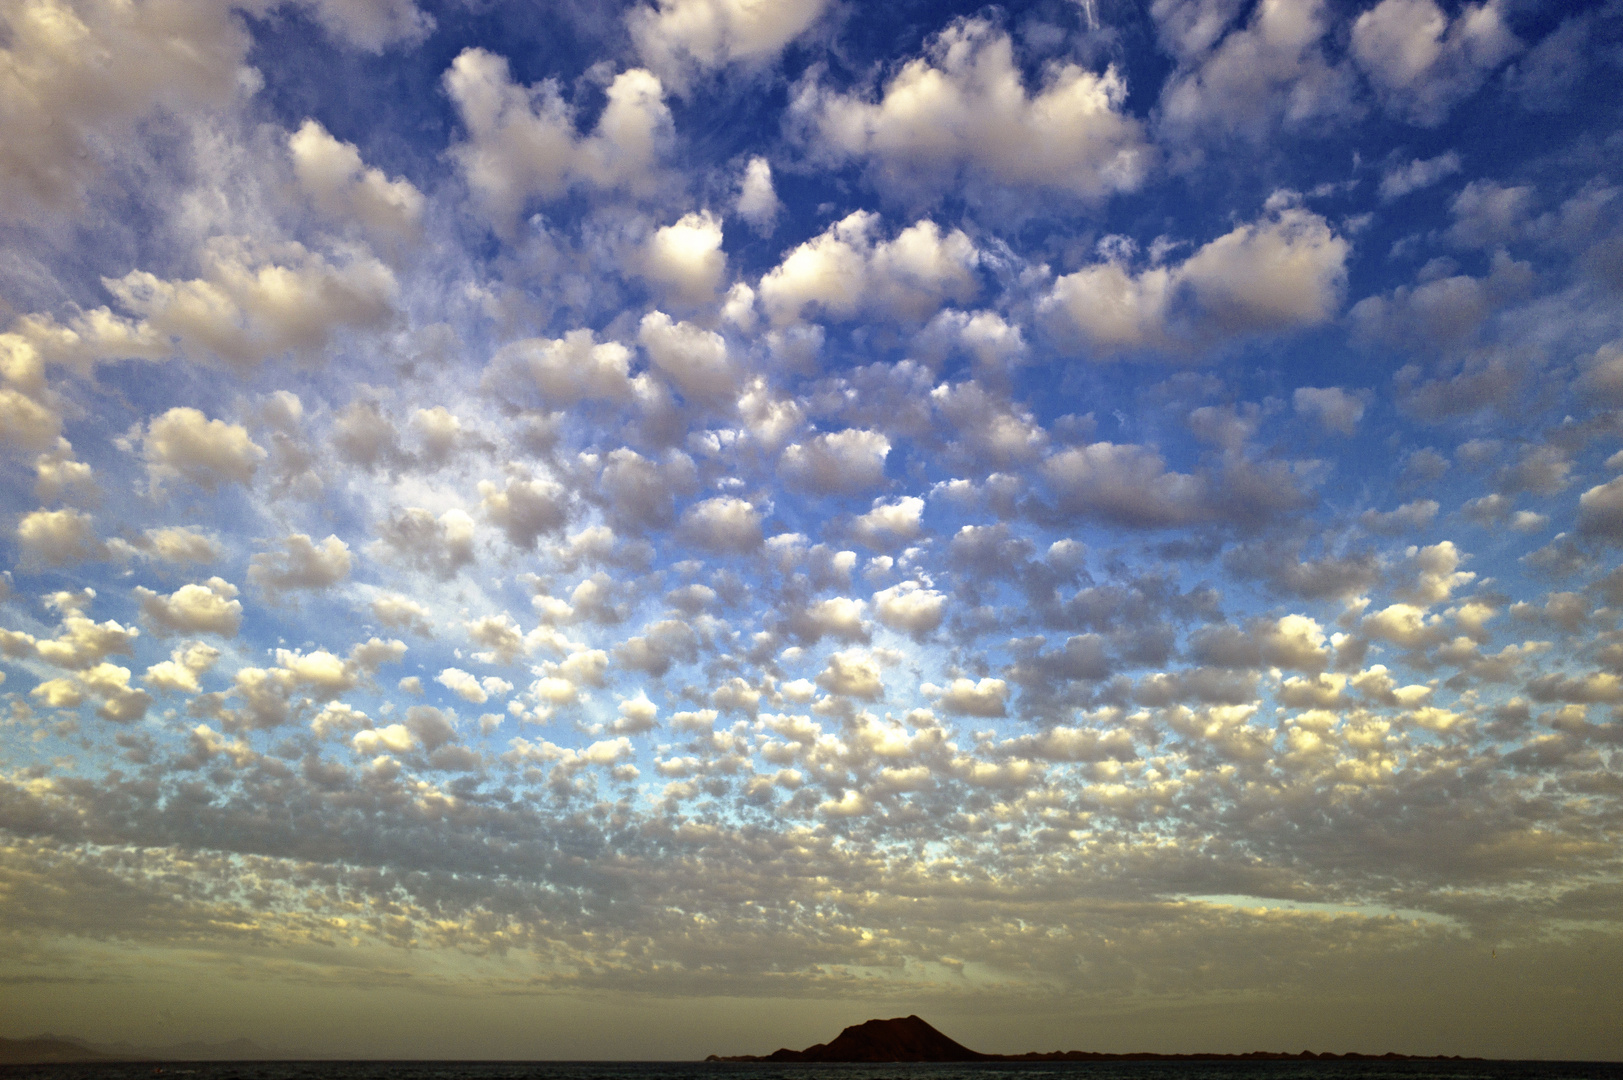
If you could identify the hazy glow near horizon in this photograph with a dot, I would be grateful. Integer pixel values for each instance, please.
(577, 530)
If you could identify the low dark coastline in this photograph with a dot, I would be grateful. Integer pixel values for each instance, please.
(1090, 1055)
(911, 1039)
(1165, 1067)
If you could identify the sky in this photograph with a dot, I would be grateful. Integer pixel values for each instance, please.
(570, 530)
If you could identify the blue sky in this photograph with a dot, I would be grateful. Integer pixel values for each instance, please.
(1096, 523)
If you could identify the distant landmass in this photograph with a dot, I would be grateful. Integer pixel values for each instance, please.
(57, 1049)
(908, 1038)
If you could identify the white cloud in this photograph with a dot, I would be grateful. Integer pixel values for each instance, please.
(394, 738)
(439, 429)
(994, 343)
(254, 301)
(1411, 515)
(1269, 72)
(59, 538)
(372, 24)
(181, 671)
(463, 685)
(686, 258)
(30, 416)
(1283, 271)
(58, 476)
(636, 716)
(178, 544)
(74, 74)
(847, 271)
(1489, 214)
(853, 673)
(723, 524)
(962, 111)
(844, 462)
(640, 492)
(522, 143)
(693, 358)
(966, 697)
(1421, 63)
(575, 367)
(1600, 511)
(890, 523)
(1331, 406)
(525, 509)
(402, 613)
(303, 564)
(1401, 180)
(1125, 485)
(342, 186)
(835, 616)
(910, 607)
(440, 546)
(757, 201)
(675, 37)
(184, 444)
(209, 608)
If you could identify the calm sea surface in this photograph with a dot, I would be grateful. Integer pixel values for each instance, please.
(682, 1070)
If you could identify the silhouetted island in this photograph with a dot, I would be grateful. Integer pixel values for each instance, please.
(908, 1038)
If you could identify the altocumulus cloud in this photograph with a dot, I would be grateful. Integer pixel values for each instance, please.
(1063, 518)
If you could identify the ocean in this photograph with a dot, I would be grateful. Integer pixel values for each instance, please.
(690, 1070)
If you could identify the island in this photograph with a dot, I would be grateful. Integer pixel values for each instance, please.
(909, 1038)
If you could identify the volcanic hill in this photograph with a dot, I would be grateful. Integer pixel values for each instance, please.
(908, 1038)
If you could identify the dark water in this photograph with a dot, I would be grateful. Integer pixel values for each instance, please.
(681, 1070)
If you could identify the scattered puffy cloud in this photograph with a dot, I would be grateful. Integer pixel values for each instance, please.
(1246, 80)
(1400, 180)
(686, 259)
(525, 509)
(852, 673)
(681, 38)
(208, 608)
(1285, 270)
(342, 186)
(575, 367)
(472, 689)
(435, 545)
(1600, 511)
(179, 544)
(723, 524)
(184, 444)
(849, 270)
(59, 538)
(1421, 62)
(1125, 484)
(840, 462)
(910, 607)
(961, 112)
(522, 144)
(967, 697)
(181, 672)
(890, 523)
(1330, 406)
(757, 201)
(72, 75)
(303, 564)
(255, 301)
(696, 360)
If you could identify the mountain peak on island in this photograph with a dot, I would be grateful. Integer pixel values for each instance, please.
(901, 1038)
